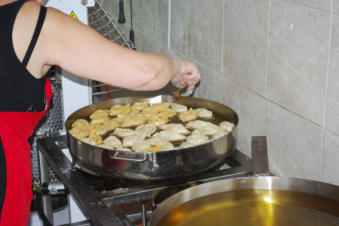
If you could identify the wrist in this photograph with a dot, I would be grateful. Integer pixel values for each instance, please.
(176, 61)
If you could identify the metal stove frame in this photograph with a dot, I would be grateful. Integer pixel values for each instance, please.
(99, 203)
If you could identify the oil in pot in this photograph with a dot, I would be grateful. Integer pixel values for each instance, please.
(255, 208)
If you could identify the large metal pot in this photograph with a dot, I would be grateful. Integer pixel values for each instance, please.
(152, 165)
(252, 201)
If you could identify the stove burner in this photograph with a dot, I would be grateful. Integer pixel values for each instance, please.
(111, 201)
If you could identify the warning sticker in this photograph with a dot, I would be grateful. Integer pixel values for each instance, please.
(73, 15)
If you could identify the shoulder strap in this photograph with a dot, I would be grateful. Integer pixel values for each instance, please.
(36, 34)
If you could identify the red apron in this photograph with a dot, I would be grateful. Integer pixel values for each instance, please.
(15, 129)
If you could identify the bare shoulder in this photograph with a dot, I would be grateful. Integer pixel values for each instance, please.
(24, 26)
(30, 8)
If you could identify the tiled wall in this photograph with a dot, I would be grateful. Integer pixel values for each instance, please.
(275, 62)
(150, 22)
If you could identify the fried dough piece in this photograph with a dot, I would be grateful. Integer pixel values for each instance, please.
(169, 112)
(163, 143)
(99, 113)
(204, 127)
(228, 126)
(98, 129)
(80, 132)
(186, 145)
(178, 107)
(111, 124)
(159, 107)
(146, 130)
(197, 132)
(188, 115)
(95, 137)
(122, 132)
(219, 134)
(121, 118)
(204, 113)
(139, 106)
(197, 139)
(170, 135)
(141, 145)
(148, 112)
(113, 142)
(133, 120)
(129, 141)
(88, 140)
(80, 123)
(158, 120)
(120, 110)
(151, 111)
(179, 128)
(99, 120)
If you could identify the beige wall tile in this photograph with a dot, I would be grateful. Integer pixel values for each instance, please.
(331, 159)
(146, 42)
(332, 115)
(332, 107)
(324, 5)
(336, 7)
(161, 24)
(178, 25)
(150, 20)
(298, 57)
(294, 144)
(251, 110)
(207, 88)
(250, 107)
(204, 32)
(144, 16)
(245, 42)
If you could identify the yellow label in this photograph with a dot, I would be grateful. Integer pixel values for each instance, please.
(73, 15)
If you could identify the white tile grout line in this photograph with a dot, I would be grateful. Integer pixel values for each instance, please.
(265, 97)
(222, 38)
(326, 89)
(261, 96)
(313, 8)
(267, 60)
(186, 27)
(169, 24)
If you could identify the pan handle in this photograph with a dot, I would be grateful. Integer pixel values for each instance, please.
(260, 165)
(136, 157)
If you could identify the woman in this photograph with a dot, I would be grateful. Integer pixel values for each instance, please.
(32, 39)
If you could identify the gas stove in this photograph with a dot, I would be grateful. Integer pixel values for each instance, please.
(112, 201)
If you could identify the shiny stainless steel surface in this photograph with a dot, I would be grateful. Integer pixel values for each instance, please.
(328, 192)
(152, 165)
(102, 199)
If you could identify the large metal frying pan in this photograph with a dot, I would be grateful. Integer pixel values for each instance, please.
(254, 201)
(152, 165)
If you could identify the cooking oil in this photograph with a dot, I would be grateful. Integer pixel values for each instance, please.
(255, 208)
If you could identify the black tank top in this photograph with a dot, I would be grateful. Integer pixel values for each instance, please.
(19, 90)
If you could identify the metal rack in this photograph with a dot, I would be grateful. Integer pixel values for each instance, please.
(111, 201)
(100, 20)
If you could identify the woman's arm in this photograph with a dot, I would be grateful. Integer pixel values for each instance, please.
(82, 51)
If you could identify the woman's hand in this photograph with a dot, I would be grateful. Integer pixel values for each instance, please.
(186, 75)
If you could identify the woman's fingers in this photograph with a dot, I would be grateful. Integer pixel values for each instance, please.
(188, 75)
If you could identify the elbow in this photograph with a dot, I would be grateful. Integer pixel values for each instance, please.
(149, 79)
